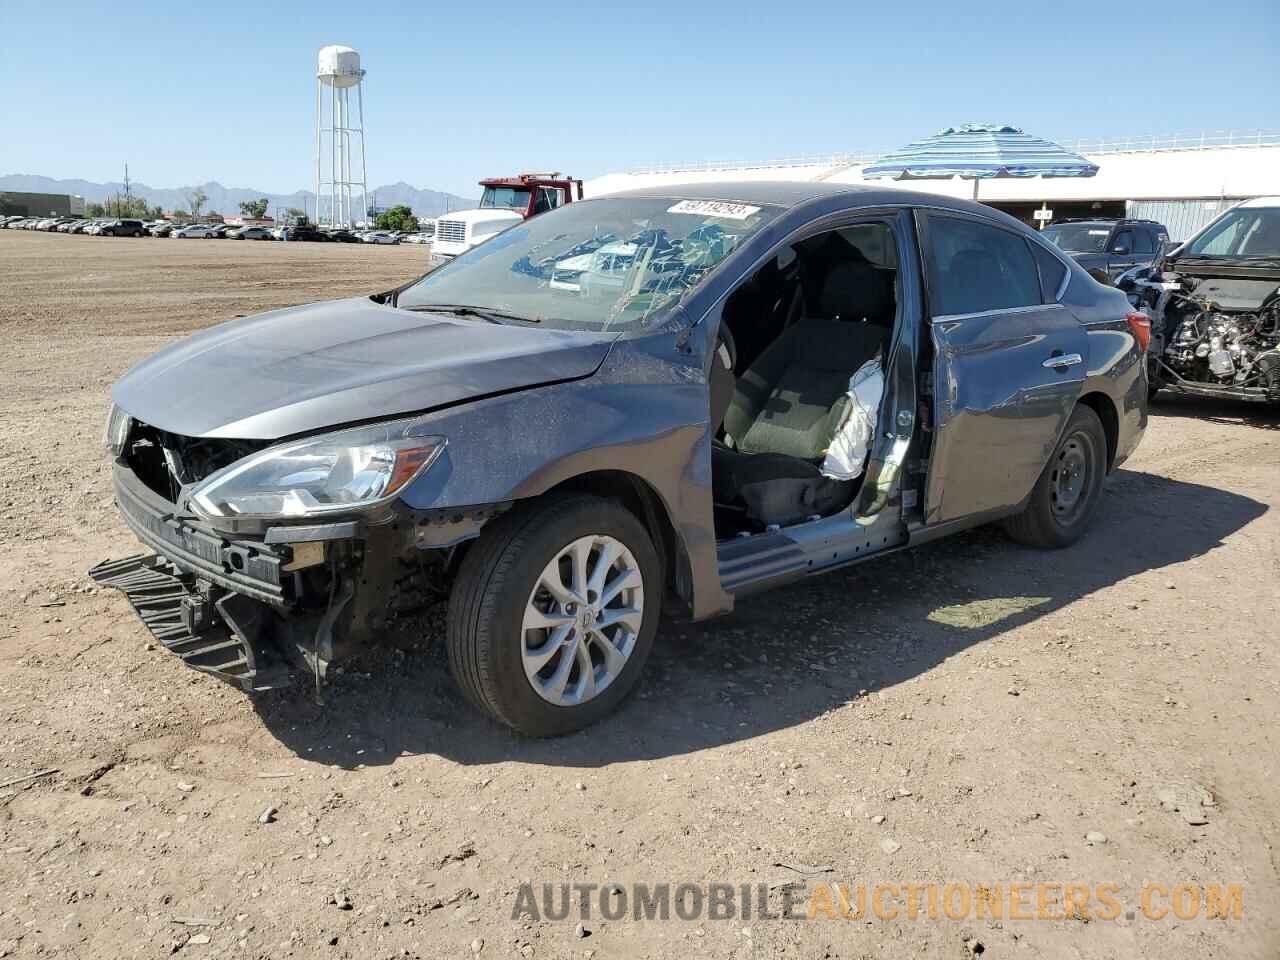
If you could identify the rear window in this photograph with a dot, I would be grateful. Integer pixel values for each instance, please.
(974, 268)
(1052, 271)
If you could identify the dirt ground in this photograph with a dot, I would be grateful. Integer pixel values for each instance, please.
(970, 712)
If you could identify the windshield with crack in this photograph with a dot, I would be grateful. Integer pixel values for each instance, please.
(608, 265)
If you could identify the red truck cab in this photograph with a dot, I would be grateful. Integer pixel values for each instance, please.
(529, 193)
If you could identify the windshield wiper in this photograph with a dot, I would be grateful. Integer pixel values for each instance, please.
(466, 310)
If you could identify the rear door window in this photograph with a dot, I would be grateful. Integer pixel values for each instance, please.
(1052, 271)
(975, 267)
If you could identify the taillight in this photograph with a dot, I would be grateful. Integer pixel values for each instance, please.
(1140, 324)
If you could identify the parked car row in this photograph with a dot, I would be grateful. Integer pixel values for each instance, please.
(103, 226)
(115, 227)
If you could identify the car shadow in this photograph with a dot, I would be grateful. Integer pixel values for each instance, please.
(784, 657)
(1246, 413)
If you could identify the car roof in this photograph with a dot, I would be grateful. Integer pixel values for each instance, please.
(786, 193)
(1262, 202)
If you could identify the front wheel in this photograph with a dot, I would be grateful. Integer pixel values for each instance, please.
(1070, 488)
(553, 614)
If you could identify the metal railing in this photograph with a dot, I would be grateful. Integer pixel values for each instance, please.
(1089, 146)
(833, 160)
(1202, 140)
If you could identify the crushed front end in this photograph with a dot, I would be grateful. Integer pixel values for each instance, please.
(258, 601)
(1216, 329)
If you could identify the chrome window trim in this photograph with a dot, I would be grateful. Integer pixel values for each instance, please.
(948, 317)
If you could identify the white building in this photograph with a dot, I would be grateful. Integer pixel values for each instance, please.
(1184, 181)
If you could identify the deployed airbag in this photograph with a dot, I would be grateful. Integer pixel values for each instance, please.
(847, 454)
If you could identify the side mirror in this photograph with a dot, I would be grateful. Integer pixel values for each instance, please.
(1120, 249)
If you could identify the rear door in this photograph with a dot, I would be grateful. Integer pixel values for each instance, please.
(1009, 363)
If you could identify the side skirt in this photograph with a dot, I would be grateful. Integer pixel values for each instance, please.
(766, 560)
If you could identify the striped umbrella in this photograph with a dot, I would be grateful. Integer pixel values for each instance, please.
(977, 151)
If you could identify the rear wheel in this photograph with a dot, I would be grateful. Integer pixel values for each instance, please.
(1068, 491)
(553, 614)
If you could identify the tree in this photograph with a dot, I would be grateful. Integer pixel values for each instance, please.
(397, 218)
(94, 210)
(295, 216)
(254, 209)
(197, 198)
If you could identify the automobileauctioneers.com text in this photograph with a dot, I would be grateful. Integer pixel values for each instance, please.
(879, 901)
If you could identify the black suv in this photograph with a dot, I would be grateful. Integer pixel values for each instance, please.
(305, 231)
(1112, 246)
(124, 228)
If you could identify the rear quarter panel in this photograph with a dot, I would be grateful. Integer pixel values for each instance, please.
(1116, 366)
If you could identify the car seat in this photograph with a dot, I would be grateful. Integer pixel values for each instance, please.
(786, 405)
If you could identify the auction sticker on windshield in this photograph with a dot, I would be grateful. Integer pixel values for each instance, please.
(715, 208)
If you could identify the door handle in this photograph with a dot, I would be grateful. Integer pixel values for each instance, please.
(1062, 361)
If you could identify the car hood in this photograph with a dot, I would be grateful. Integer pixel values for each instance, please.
(479, 215)
(1088, 260)
(307, 368)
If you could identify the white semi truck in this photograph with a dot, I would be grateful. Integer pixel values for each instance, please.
(504, 201)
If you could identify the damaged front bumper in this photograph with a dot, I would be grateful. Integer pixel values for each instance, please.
(182, 615)
(254, 611)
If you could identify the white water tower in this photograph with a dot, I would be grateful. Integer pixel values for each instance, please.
(337, 178)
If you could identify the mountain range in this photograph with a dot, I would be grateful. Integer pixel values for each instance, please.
(226, 200)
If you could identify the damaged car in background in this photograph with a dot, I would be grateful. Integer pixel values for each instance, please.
(1214, 304)
(627, 407)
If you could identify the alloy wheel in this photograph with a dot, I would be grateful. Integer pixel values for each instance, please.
(582, 620)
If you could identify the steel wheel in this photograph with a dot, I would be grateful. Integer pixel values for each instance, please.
(1070, 478)
(582, 620)
(1070, 486)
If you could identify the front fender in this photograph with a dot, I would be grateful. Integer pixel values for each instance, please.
(644, 413)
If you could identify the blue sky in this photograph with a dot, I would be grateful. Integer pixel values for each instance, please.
(193, 92)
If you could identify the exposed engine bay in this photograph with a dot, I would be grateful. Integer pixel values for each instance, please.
(1215, 335)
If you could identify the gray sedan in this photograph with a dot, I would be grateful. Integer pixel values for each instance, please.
(660, 400)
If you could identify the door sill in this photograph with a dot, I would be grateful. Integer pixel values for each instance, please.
(775, 557)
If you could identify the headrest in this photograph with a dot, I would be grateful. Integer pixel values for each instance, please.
(857, 291)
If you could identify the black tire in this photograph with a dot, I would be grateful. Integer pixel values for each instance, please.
(490, 595)
(1050, 519)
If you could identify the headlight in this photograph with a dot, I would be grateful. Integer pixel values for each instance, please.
(116, 432)
(335, 472)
